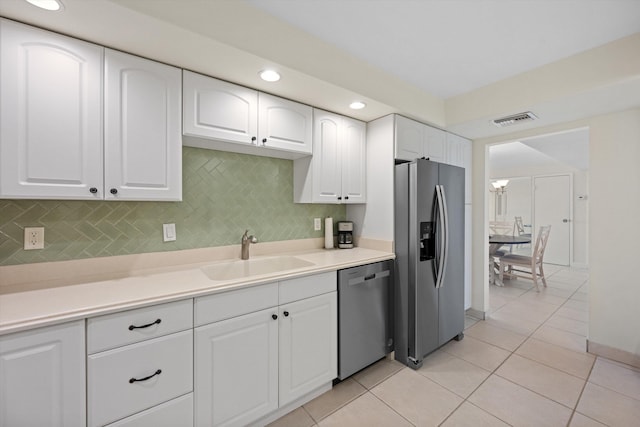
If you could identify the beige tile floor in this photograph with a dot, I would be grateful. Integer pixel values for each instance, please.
(525, 365)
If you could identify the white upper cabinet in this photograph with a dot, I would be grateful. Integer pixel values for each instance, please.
(354, 158)
(50, 115)
(143, 129)
(55, 94)
(337, 171)
(284, 124)
(409, 139)
(435, 144)
(219, 110)
(414, 140)
(224, 116)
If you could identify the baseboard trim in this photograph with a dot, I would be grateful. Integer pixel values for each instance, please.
(476, 314)
(612, 353)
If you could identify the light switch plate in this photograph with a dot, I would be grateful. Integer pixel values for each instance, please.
(33, 238)
(168, 232)
(317, 224)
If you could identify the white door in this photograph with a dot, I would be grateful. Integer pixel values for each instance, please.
(219, 110)
(143, 129)
(284, 125)
(327, 157)
(552, 206)
(354, 170)
(51, 115)
(236, 369)
(42, 374)
(308, 345)
(409, 138)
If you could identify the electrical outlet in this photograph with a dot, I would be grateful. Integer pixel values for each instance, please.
(168, 232)
(317, 224)
(33, 238)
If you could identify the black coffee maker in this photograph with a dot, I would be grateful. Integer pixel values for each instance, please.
(345, 234)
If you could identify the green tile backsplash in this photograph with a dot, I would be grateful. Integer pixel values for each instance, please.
(223, 193)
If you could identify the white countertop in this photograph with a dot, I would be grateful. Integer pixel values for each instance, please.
(30, 308)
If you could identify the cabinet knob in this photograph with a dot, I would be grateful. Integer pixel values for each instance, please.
(113, 191)
(253, 139)
(264, 141)
(93, 190)
(339, 197)
(274, 316)
(286, 314)
(346, 197)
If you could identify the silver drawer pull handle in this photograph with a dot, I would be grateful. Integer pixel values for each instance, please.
(157, 322)
(133, 380)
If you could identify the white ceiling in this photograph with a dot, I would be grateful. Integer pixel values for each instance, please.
(449, 47)
(567, 150)
(436, 61)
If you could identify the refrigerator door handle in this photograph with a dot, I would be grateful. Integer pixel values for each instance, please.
(445, 255)
(442, 226)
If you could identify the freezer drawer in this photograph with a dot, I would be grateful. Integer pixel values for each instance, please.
(365, 332)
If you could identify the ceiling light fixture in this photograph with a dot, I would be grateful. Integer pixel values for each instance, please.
(269, 75)
(357, 105)
(500, 184)
(52, 5)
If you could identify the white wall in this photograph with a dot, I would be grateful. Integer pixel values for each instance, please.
(614, 292)
(613, 212)
(520, 204)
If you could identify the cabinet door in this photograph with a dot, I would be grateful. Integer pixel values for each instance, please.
(435, 144)
(219, 110)
(143, 129)
(236, 369)
(327, 158)
(284, 125)
(409, 139)
(354, 170)
(308, 345)
(51, 115)
(43, 377)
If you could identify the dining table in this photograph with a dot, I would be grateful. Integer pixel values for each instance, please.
(496, 241)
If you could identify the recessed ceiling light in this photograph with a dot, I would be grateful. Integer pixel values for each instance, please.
(357, 105)
(269, 75)
(47, 4)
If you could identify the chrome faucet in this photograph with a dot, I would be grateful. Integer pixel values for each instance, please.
(246, 240)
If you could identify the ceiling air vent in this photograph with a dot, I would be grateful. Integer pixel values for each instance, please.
(515, 119)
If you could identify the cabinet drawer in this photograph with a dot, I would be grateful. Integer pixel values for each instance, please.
(176, 412)
(121, 382)
(128, 327)
(306, 287)
(217, 307)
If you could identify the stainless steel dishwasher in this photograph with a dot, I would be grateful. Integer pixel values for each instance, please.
(365, 331)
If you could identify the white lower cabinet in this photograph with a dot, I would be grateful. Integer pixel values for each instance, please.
(42, 377)
(308, 345)
(236, 362)
(174, 413)
(130, 379)
(249, 365)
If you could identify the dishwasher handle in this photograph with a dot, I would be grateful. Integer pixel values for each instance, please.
(373, 276)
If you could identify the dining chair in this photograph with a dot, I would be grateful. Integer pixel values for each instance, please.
(533, 263)
(518, 227)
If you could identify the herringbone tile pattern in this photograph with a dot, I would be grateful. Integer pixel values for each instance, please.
(223, 193)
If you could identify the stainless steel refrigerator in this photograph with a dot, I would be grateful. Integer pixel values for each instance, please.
(429, 246)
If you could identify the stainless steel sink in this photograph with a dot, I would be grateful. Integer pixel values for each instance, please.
(253, 267)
